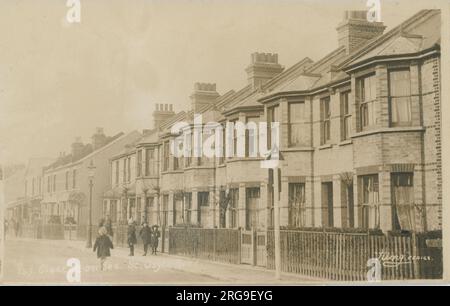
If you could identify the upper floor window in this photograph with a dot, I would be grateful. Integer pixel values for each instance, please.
(400, 97)
(272, 117)
(296, 127)
(189, 148)
(346, 116)
(251, 136)
(224, 133)
(124, 176)
(117, 172)
(325, 120)
(177, 163)
(49, 184)
(32, 187)
(139, 163)
(166, 153)
(235, 138)
(367, 96)
(150, 162)
(54, 183)
(67, 180)
(129, 169)
(74, 179)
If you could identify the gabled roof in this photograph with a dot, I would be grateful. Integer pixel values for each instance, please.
(37, 164)
(151, 137)
(86, 151)
(249, 98)
(118, 137)
(418, 33)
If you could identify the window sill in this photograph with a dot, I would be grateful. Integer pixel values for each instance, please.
(197, 167)
(325, 146)
(237, 159)
(149, 177)
(173, 172)
(389, 130)
(297, 149)
(345, 142)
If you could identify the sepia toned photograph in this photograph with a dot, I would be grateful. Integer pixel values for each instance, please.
(250, 142)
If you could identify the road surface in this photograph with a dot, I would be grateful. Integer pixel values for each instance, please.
(46, 262)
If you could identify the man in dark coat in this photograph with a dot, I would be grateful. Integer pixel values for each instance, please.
(155, 234)
(103, 245)
(145, 234)
(131, 237)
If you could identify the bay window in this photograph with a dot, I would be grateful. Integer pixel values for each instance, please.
(346, 116)
(400, 97)
(369, 200)
(367, 97)
(296, 119)
(272, 117)
(297, 216)
(403, 213)
(166, 153)
(325, 120)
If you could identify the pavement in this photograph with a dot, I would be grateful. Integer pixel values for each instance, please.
(30, 261)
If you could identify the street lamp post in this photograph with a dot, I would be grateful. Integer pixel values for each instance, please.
(145, 205)
(273, 163)
(91, 173)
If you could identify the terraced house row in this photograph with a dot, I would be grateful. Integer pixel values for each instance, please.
(359, 144)
(359, 141)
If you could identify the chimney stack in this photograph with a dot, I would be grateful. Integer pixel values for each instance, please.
(355, 30)
(98, 139)
(161, 113)
(204, 94)
(263, 67)
(77, 148)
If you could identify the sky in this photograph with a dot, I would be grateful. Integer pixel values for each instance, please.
(60, 80)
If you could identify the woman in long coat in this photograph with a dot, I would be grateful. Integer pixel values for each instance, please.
(155, 234)
(131, 237)
(102, 245)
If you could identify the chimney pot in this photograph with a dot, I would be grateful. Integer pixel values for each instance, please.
(204, 94)
(355, 29)
(263, 67)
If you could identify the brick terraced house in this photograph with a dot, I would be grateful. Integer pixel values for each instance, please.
(359, 137)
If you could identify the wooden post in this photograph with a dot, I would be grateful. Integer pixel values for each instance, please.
(416, 267)
(276, 217)
(239, 246)
(214, 244)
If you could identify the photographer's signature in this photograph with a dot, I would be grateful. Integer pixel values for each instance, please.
(393, 261)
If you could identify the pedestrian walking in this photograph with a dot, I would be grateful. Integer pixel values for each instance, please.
(145, 234)
(155, 234)
(103, 245)
(131, 236)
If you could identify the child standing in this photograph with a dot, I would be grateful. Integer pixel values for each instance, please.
(102, 245)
